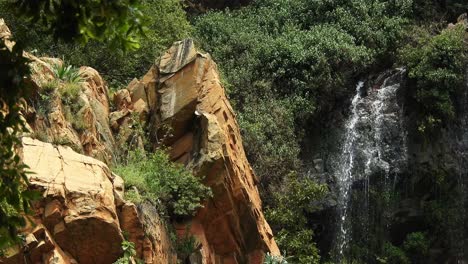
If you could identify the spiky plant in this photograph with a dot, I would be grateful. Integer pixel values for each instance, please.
(67, 73)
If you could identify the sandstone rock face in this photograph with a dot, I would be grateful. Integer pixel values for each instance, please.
(81, 216)
(155, 247)
(191, 107)
(80, 121)
(77, 213)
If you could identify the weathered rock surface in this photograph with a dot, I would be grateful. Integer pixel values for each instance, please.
(192, 115)
(80, 121)
(77, 217)
(82, 216)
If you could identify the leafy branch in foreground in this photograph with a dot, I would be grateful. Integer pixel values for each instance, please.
(14, 196)
(119, 22)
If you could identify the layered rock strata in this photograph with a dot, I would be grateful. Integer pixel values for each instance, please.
(190, 113)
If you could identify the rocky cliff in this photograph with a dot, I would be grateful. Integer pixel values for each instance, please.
(75, 136)
(190, 113)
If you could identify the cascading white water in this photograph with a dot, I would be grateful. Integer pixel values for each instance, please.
(345, 172)
(374, 143)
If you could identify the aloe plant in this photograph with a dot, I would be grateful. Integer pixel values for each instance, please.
(67, 73)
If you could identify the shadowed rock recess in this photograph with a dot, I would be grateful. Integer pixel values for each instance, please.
(82, 215)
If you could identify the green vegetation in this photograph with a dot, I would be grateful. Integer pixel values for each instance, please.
(169, 185)
(393, 255)
(185, 246)
(292, 62)
(165, 21)
(119, 22)
(270, 259)
(416, 247)
(436, 65)
(414, 250)
(67, 73)
(14, 196)
(290, 217)
(129, 253)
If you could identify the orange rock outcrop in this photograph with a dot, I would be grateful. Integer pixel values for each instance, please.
(191, 114)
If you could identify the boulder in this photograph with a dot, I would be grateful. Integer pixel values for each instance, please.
(78, 202)
(82, 214)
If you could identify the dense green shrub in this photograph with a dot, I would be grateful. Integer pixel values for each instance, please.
(161, 180)
(393, 255)
(271, 142)
(119, 22)
(436, 65)
(416, 246)
(270, 259)
(293, 204)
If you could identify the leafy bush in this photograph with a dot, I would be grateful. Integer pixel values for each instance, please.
(272, 144)
(119, 22)
(293, 204)
(416, 246)
(436, 64)
(129, 255)
(270, 259)
(186, 245)
(394, 255)
(15, 197)
(159, 179)
(310, 49)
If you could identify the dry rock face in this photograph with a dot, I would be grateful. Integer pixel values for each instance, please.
(191, 114)
(81, 216)
(77, 213)
(82, 123)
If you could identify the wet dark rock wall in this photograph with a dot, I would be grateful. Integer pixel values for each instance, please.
(402, 182)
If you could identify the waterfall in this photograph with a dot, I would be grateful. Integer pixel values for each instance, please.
(374, 145)
(345, 171)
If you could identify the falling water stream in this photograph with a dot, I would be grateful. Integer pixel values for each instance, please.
(374, 143)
